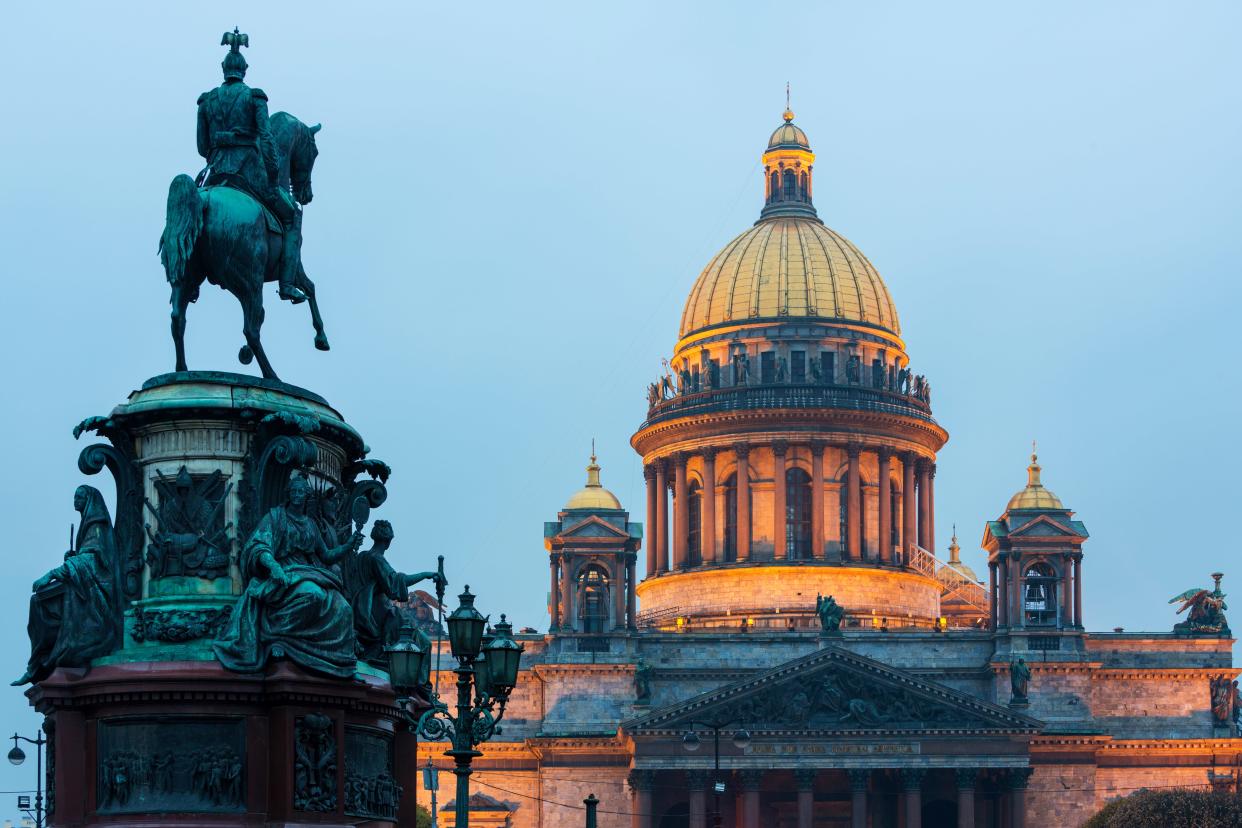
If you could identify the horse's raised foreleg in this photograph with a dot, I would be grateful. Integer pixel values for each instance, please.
(180, 301)
(308, 287)
(252, 324)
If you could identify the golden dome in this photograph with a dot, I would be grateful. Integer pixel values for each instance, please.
(788, 136)
(1035, 496)
(789, 267)
(593, 495)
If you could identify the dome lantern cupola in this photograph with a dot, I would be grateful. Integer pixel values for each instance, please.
(787, 168)
(593, 495)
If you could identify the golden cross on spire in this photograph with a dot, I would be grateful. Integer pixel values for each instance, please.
(789, 116)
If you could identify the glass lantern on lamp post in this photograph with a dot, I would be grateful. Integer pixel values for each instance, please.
(692, 742)
(487, 672)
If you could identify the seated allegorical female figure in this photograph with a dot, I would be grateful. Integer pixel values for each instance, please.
(294, 605)
(73, 614)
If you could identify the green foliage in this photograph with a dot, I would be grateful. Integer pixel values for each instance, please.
(422, 817)
(1173, 808)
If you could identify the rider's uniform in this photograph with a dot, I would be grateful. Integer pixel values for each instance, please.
(234, 137)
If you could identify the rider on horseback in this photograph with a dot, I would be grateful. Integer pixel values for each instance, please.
(234, 137)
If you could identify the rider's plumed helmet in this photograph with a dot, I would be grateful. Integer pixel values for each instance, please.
(234, 65)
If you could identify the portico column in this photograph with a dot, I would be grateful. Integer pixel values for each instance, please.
(1078, 591)
(742, 452)
(618, 593)
(1065, 601)
(698, 781)
(554, 597)
(1018, 778)
(631, 595)
(805, 777)
(924, 528)
(992, 594)
(853, 510)
(649, 474)
(681, 513)
(640, 799)
(568, 616)
(751, 782)
(885, 534)
(780, 548)
(661, 539)
(1002, 596)
(908, 503)
(859, 780)
(912, 793)
(966, 797)
(817, 500)
(707, 533)
(931, 508)
(1016, 615)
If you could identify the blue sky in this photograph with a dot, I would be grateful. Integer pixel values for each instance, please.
(513, 200)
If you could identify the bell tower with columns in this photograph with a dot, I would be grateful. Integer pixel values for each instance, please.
(1035, 569)
(592, 552)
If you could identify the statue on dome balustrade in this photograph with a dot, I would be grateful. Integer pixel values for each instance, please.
(903, 381)
(782, 370)
(853, 370)
(816, 377)
(73, 611)
(1207, 610)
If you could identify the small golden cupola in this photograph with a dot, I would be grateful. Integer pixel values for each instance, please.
(788, 166)
(1035, 496)
(593, 495)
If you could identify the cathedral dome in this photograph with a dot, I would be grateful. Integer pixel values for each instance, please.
(788, 267)
(1035, 496)
(593, 495)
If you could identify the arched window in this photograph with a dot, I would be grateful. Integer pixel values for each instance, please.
(593, 603)
(798, 515)
(694, 535)
(843, 516)
(1039, 595)
(802, 191)
(894, 519)
(774, 187)
(731, 528)
(789, 186)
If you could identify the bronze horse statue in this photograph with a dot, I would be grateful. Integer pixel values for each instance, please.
(223, 235)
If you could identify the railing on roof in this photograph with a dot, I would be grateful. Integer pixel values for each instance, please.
(805, 395)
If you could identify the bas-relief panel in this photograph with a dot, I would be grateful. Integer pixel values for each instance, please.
(173, 764)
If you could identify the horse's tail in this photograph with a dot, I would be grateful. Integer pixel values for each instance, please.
(181, 227)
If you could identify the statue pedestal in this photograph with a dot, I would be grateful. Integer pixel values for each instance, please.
(158, 732)
(188, 743)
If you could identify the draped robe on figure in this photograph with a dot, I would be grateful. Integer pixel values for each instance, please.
(308, 621)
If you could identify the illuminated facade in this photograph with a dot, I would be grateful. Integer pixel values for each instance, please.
(790, 453)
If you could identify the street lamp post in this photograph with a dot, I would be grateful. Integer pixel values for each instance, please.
(691, 742)
(488, 668)
(17, 756)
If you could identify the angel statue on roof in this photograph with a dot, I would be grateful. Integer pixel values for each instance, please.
(1207, 610)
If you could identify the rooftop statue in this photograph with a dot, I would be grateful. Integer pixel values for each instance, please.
(830, 613)
(239, 224)
(1207, 610)
(73, 616)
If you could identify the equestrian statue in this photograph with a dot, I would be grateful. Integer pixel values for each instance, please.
(239, 224)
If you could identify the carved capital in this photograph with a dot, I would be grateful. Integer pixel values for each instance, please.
(966, 778)
(741, 451)
(698, 779)
(1018, 778)
(817, 446)
(680, 459)
(931, 468)
(912, 778)
(908, 459)
(641, 780)
(805, 778)
(852, 450)
(708, 453)
(779, 447)
(649, 472)
(885, 454)
(751, 780)
(860, 779)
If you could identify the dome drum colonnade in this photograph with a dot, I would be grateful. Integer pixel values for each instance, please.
(807, 460)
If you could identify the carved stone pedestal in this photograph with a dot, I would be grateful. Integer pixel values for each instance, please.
(191, 744)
